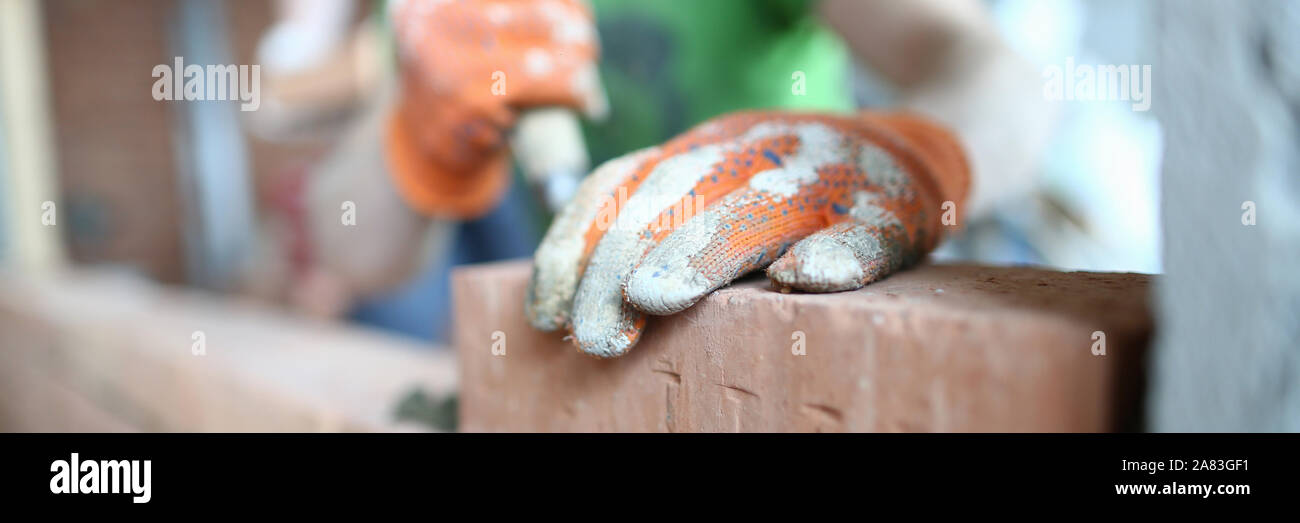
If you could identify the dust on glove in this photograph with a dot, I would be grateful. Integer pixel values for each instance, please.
(825, 203)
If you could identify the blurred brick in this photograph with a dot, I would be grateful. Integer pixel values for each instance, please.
(118, 148)
(936, 348)
(115, 143)
(48, 406)
(116, 352)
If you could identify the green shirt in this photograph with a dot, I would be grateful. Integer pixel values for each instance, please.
(670, 64)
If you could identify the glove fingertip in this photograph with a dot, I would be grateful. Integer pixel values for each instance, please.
(658, 291)
(609, 340)
(545, 323)
(604, 347)
(818, 264)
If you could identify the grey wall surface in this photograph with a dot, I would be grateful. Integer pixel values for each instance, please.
(1227, 92)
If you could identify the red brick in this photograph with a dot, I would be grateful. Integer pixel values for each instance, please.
(936, 348)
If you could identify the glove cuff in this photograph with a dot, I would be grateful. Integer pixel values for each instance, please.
(435, 191)
(938, 148)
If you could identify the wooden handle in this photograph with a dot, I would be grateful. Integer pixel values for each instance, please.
(551, 152)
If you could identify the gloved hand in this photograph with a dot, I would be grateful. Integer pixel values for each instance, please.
(467, 68)
(831, 203)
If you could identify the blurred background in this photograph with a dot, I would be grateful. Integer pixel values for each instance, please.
(184, 193)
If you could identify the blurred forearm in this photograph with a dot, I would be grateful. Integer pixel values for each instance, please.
(948, 62)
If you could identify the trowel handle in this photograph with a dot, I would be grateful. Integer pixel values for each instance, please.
(549, 147)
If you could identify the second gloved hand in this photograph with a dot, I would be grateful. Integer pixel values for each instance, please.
(467, 70)
(826, 203)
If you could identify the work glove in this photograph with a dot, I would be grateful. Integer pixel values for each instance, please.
(467, 69)
(825, 203)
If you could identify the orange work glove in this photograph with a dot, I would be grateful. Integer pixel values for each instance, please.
(831, 203)
(467, 67)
